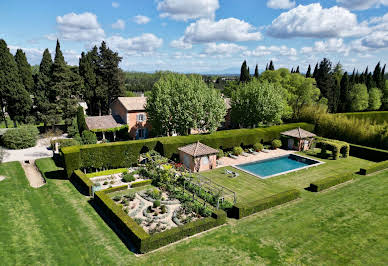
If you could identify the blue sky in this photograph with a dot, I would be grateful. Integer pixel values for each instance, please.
(205, 36)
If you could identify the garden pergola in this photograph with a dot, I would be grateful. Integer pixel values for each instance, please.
(298, 139)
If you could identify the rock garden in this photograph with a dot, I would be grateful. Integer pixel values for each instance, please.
(126, 177)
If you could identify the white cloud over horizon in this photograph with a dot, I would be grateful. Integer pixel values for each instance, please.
(188, 9)
(280, 4)
(139, 19)
(119, 24)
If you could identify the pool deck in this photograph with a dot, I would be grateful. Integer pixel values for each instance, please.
(227, 161)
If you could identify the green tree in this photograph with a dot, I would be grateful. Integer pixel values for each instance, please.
(256, 72)
(13, 96)
(384, 99)
(326, 83)
(257, 102)
(25, 71)
(359, 98)
(271, 66)
(344, 104)
(81, 123)
(375, 96)
(88, 137)
(244, 73)
(179, 103)
(308, 73)
(315, 71)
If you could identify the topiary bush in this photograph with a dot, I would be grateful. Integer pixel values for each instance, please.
(156, 203)
(20, 138)
(88, 137)
(258, 146)
(128, 177)
(237, 151)
(276, 143)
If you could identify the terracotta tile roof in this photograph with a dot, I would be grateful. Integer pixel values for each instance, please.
(133, 103)
(298, 133)
(103, 122)
(197, 149)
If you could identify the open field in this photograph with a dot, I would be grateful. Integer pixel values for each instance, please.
(55, 225)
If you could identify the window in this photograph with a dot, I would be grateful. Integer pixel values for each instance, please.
(140, 118)
(141, 133)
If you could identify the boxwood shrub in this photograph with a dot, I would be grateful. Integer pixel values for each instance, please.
(367, 153)
(241, 210)
(374, 168)
(331, 181)
(114, 189)
(141, 183)
(82, 181)
(107, 172)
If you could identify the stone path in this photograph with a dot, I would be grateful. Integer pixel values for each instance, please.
(33, 175)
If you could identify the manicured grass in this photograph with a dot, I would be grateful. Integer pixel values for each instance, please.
(55, 225)
(107, 172)
(247, 187)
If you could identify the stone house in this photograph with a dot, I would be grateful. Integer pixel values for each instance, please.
(198, 157)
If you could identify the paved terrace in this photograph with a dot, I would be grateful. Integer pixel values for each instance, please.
(227, 161)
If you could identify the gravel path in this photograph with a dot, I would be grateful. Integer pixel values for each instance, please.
(33, 175)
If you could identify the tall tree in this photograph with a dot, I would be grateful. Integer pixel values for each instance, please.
(359, 98)
(13, 96)
(375, 96)
(308, 73)
(326, 83)
(25, 71)
(256, 72)
(315, 71)
(266, 67)
(244, 73)
(377, 75)
(271, 66)
(297, 70)
(344, 95)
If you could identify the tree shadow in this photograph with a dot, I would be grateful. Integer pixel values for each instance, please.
(126, 241)
(57, 174)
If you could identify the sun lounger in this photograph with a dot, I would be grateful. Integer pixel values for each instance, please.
(266, 151)
(245, 154)
(233, 156)
(228, 172)
(253, 152)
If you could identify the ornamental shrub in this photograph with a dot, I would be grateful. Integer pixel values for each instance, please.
(156, 203)
(258, 146)
(88, 137)
(220, 154)
(276, 143)
(20, 138)
(128, 177)
(237, 151)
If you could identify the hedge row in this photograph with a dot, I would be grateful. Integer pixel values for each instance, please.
(141, 239)
(368, 153)
(331, 181)
(114, 189)
(378, 116)
(141, 183)
(177, 233)
(241, 210)
(124, 154)
(107, 172)
(337, 147)
(375, 168)
(83, 182)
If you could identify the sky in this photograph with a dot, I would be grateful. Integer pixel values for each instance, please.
(203, 36)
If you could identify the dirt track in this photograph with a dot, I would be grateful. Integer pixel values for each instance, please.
(33, 175)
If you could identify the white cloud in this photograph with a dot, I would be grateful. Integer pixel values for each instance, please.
(361, 4)
(314, 21)
(223, 48)
(332, 45)
(139, 19)
(79, 27)
(119, 24)
(269, 50)
(180, 44)
(145, 43)
(115, 4)
(280, 4)
(378, 37)
(229, 30)
(188, 9)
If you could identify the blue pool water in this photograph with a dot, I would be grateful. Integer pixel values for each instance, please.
(270, 167)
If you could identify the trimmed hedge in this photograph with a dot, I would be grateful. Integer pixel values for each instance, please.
(126, 153)
(141, 183)
(368, 153)
(375, 168)
(337, 147)
(241, 210)
(331, 181)
(83, 182)
(123, 222)
(107, 172)
(141, 239)
(114, 189)
(177, 233)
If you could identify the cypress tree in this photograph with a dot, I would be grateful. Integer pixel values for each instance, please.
(12, 91)
(352, 79)
(271, 66)
(292, 70)
(344, 105)
(244, 73)
(297, 70)
(249, 74)
(25, 71)
(382, 79)
(266, 67)
(326, 83)
(256, 72)
(315, 71)
(81, 120)
(377, 75)
(308, 73)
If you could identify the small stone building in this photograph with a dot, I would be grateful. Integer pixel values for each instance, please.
(298, 139)
(198, 157)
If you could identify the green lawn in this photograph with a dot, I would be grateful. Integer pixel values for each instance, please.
(247, 187)
(55, 225)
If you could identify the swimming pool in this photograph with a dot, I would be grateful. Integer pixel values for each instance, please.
(278, 166)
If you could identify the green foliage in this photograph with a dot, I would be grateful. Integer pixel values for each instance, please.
(237, 151)
(367, 153)
(141, 183)
(276, 143)
(359, 98)
(258, 146)
(141, 82)
(378, 117)
(24, 70)
(114, 189)
(375, 168)
(241, 210)
(64, 143)
(220, 154)
(128, 177)
(326, 82)
(257, 102)
(156, 203)
(244, 73)
(20, 138)
(107, 172)
(331, 181)
(335, 146)
(81, 123)
(82, 181)
(88, 137)
(179, 103)
(375, 96)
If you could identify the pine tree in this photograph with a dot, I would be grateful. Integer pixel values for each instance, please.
(244, 73)
(13, 96)
(256, 72)
(271, 66)
(344, 105)
(315, 71)
(24, 70)
(308, 73)
(297, 70)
